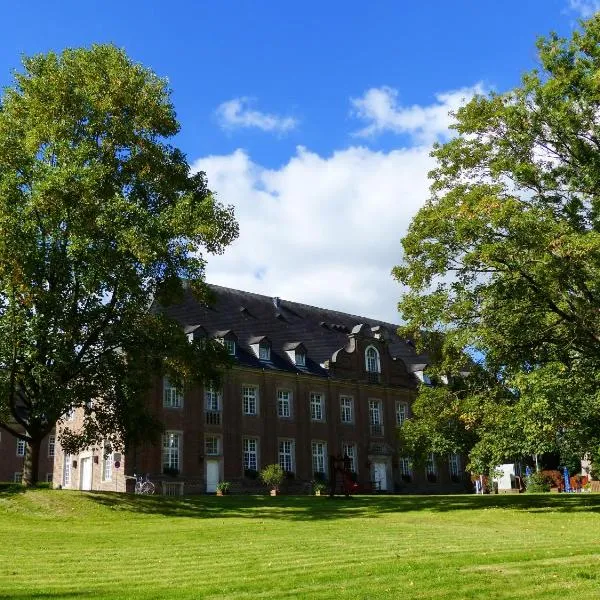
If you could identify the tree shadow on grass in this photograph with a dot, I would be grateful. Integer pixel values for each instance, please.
(25, 595)
(303, 508)
(11, 489)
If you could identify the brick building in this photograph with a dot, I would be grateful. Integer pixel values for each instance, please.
(308, 383)
(12, 455)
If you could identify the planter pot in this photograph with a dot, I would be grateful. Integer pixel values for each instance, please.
(274, 492)
(317, 492)
(220, 493)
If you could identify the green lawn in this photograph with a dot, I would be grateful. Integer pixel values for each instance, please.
(60, 544)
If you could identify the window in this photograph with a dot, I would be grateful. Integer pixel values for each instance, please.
(286, 455)
(70, 414)
(212, 399)
(171, 451)
(18, 477)
(372, 363)
(401, 413)
(250, 446)
(172, 397)
(51, 445)
(300, 359)
(375, 417)
(49, 477)
(349, 451)
(319, 457)
(211, 445)
(20, 447)
(454, 465)
(67, 470)
(264, 351)
(404, 466)
(250, 400)
(284, 409)
(316, 407)
(347, 409)
(229, 346)
(107, 466)
(430, 466)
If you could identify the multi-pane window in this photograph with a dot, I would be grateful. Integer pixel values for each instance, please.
(319, 457)
(212, 399)
(372, 363)
(284, 398)
(250, 447)
(18, 477)
(20, 447)
(51, 445)
(316, 407)
(211, 445)
(454, 465)
(404, 466)
(250, 400)
(172, 397)
(430, 466)
(286, 455)
(375, 417)
(107, 467)
(401, 413)
(229, 346)
(349, 451)
(171, 450)
(67, 470)
(300, 359)
(264, 352)
(347, 409)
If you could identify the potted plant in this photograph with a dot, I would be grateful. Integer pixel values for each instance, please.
(272, 476)
(223, 488)
(319, 487)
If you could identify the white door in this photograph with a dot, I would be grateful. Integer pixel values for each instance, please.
(380, 475)
(212, 475)
(85, 482)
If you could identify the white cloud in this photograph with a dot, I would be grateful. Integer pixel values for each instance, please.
(425, 124)
(586, 8)
(237, 113)
(320, 230)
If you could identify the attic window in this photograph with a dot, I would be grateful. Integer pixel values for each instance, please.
(229, 346)
(300, 358)
(264, 351)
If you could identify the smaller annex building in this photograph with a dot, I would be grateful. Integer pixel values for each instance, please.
(308, 384)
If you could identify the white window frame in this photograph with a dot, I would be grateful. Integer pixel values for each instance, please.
(66, 478)
(172, 396)
(20, 447)
(250, 400)
(401, 412)
(317, 406)
(172, 450)
(212, 398)
(287, 455)
(107, 466)
(375, 412)
(264, 351)
(454, 466)
(319, 457)
(349, 450)
(372, 360)
(250, 454)
(430, 464)
(212, 445)
(51, 446)
(229, 346)
(284, 404)
(404, 466)
(300, 358)
(346, 409)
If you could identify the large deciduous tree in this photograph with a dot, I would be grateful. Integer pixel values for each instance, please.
(504, 260)
(100, 220)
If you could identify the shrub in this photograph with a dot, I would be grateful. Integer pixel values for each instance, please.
(537, 482)
(223, 486)
(272, 476)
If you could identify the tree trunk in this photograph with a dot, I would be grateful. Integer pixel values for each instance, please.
(32, 463)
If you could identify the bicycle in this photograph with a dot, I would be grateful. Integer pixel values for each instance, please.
(142, 485)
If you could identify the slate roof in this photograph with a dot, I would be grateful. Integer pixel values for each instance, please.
(252, 316)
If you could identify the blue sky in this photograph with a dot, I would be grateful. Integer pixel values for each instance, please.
(314, 119)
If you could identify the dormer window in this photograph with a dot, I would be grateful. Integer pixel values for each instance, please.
(229, 346)
(372, 362)
(264, 351)
(300, 359)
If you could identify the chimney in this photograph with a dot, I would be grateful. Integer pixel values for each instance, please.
(276, 301)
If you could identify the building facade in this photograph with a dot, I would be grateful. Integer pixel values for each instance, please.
(12, 456)
(307, 384)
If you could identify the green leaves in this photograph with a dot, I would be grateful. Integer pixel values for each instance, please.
(504, 258)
